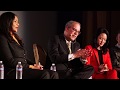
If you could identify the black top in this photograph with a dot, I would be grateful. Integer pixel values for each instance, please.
(11, 53)
(100, 56)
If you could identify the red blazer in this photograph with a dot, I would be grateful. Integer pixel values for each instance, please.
(94, 59)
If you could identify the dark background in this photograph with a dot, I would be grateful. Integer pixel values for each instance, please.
(38, 26)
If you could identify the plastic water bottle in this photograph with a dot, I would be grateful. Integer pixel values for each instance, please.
(19, 70)
(1, 70)
(53, 67)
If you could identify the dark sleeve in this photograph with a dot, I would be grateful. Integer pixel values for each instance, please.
(29, 61)
(113, 56)
(6, 54)
(55, 51)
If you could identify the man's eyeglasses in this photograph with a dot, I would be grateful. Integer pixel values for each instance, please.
(75, 30)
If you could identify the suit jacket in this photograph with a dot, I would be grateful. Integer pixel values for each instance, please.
(94, 59)
(115, 56)
(58, 53)
(11, 53)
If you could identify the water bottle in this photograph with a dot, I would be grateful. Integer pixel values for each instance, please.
(1, 70)
(19, 70)
(53, 67)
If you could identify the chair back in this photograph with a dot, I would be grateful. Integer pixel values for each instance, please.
(41, 53)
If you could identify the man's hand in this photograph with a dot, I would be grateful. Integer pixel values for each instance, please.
(85, 53)
(82, 53)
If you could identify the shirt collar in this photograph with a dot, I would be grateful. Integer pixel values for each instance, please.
(117, 45)
(67, 41)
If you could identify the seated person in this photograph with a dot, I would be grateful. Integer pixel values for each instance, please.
(100, 57)
(65, 52)
(115, 54)
(12, 51)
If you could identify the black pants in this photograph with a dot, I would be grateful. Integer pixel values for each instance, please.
(34, 74)
(77, 73)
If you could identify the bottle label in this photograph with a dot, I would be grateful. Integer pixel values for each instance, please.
(2, 69)
(18, 73)
(53, 68)
(1, 73)
(19, 69)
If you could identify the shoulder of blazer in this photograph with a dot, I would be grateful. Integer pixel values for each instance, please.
(89, 47)
(60, 38)
(115, 48)
(2, 37)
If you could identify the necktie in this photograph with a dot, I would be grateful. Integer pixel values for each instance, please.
(69, 47)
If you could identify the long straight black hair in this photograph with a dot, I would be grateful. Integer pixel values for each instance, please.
(100, 30)
(6, 21)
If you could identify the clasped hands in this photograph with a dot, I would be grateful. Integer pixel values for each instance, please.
(82, 53)
(103, 68)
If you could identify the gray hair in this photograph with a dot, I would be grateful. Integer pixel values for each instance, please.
(69, 23)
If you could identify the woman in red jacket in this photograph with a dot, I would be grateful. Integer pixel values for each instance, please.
(100, 57)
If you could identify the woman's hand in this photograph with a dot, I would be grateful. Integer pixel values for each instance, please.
(103, 67)
(35, 66)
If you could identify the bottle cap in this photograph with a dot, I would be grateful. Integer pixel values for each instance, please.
(19, 62)
(1, 61)
(53, 63)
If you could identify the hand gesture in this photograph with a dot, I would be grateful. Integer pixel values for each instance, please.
(85, 53)
(82, 53)
(103, 67)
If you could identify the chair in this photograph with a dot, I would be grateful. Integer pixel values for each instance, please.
(41, 53)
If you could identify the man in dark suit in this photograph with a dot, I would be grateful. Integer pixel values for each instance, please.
(115, 54)
(65, 52)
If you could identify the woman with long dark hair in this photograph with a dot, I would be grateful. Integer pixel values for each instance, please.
(100, 57)
(12, 51)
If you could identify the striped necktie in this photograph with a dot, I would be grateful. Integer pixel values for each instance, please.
(69, 47)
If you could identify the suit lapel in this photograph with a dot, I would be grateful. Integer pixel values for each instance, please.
(63, 44)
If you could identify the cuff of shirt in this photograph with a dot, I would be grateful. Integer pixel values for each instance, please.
(84, 61)
(70, 57)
